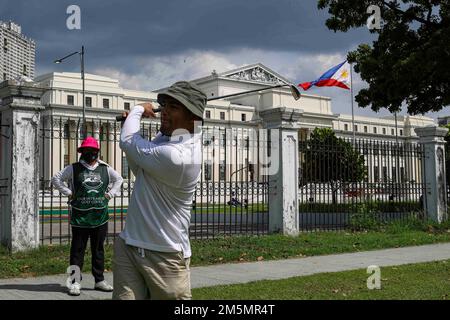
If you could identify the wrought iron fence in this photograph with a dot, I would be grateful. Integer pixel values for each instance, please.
(347, 185)
(231, 196)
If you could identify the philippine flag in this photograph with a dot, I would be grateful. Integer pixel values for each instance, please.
(338, 76)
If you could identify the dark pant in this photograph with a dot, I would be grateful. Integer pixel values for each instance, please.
(80, 237)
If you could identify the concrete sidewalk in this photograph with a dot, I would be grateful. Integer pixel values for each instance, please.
(53, 287)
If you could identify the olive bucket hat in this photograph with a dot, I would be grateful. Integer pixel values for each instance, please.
(188, 94)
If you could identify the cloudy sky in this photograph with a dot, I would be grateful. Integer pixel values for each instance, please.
(151, 44)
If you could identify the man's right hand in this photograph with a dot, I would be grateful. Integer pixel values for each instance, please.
(148, 110)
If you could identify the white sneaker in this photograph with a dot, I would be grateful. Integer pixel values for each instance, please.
(75, 289)
(103, 286)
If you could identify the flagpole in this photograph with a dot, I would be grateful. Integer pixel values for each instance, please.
(351, 96)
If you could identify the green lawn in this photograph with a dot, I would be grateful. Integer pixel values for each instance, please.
(54, 259)
(414, 281)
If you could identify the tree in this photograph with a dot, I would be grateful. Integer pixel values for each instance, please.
(409, 62)
(329, 159)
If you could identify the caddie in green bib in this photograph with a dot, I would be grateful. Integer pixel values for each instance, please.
(89, 205)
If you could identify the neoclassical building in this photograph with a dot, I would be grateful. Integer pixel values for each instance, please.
(229, 128)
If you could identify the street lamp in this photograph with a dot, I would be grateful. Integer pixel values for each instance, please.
(397, 166)
(58, 61)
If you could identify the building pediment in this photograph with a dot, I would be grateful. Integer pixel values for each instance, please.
(255, 73)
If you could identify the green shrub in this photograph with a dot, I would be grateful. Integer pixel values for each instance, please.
(363, 217)
(372, 206)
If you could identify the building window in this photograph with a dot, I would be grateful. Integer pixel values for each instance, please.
(394, 174)
(385, 174)
(384, 150)
(374, 129)
(384, 130)
(401, 132)
(88, 102)
(4, 76)
(208, 170)
(365, 150)
(356, 128)
(208, 114)
(243, 117)
(222, 116)
(224, 139)
(24, 70)
(346, 127)
(66, 131)
(392, 132)
(376, 174)
(70, 100)
(66, 160)
(222, 170)
(126, 106)
(106, 103)
(365, 129)
(251, 170)
(125, 167)
(246, 142)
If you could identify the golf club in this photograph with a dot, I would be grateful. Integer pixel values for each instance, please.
(294, 91)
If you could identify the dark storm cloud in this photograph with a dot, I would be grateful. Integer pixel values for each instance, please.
(115, 32)
(120, 35)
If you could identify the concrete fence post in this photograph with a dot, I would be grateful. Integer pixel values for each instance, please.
(20, 110)
(283, 172)
(435, 198)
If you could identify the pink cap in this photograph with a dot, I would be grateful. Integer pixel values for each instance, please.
(89, 142)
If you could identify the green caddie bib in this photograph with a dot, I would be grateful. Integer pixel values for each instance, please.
(89, 204)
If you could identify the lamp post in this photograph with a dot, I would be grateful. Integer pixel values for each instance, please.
(397, 166)
(58, 61)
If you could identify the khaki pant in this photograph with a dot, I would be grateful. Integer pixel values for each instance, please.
(149, 275)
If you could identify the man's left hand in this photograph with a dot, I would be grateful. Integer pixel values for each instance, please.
(148, 110)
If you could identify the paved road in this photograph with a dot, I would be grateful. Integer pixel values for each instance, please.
(52, 287)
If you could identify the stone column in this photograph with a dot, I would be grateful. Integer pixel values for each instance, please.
(19, 217)
(435, 198)
(96, 129)
(283, 171)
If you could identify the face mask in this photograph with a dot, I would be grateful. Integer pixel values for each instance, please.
(89, 156)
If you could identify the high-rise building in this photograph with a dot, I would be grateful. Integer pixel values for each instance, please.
(17, 52)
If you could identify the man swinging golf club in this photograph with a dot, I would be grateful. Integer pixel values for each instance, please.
(152, 254)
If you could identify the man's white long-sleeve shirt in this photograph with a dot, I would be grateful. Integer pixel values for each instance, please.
(167, 170)
(63, 180)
